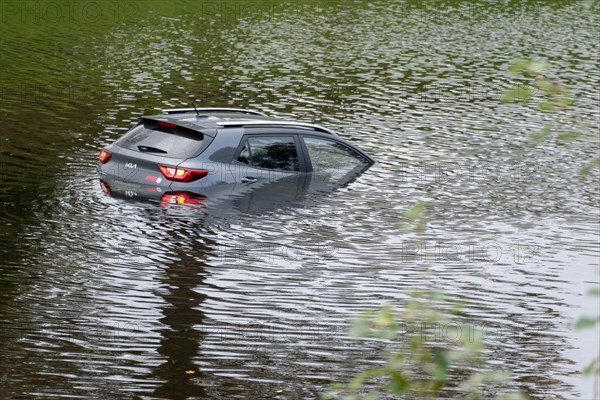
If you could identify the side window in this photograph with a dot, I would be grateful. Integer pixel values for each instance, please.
(270, 152)
(329, 156)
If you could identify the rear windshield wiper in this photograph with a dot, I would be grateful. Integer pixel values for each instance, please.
(151, 149)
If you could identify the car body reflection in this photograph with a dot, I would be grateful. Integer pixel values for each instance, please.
(257, 196)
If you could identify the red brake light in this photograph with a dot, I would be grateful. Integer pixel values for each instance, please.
(182, 174)
(167, 125)
(104, 156)
(105, 188)
(182, 198)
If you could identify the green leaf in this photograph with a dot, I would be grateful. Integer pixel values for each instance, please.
(517, 94)
(562, 101)
(402, 226)
(498, 376)
(397, 361)
(586, 322)
(441, 363)
(472, 381)
(519, 65)
(359, 379)
(558, 89)
(386, 316)
(566, 137)
(485, 376)
(399, 384)
(586, 169)
(360, 327)
(437, 295)
(593, 368)
(511, 396)
(541, 135)
(546, 106)
(420, 228)
(544, 85)
(593, 292)
(458, 305)
(386, 326)
(416, 210)
(331, 395)
(537, 67)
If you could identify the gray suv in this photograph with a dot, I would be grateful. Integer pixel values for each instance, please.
(186, 155)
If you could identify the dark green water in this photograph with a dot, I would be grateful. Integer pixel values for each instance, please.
(108, 298)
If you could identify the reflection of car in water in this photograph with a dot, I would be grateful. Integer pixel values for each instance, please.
(212, 155)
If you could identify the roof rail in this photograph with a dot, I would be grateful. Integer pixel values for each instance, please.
(259, 122)
(211, 109)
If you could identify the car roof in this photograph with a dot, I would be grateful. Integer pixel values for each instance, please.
(217, 118)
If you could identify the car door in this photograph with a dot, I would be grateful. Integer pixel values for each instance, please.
(269, 157)
(332, 162)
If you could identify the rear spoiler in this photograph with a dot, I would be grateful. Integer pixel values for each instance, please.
(171, 125)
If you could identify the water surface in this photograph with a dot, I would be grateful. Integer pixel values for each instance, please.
(109, 298)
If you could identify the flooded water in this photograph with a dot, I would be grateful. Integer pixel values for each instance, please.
(107, 298)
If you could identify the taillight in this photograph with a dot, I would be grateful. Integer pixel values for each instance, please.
(182, 198)
(167, 125)
(104, 156)
(182, 174)
(105, 188)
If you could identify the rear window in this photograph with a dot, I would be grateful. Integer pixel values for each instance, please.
(154, 139)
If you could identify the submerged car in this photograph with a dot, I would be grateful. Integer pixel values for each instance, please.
(190, 154)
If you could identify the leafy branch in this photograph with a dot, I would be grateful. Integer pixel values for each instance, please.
(421, 367)
(554, 98)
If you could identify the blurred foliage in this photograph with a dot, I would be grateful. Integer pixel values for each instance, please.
(586, 322)
(553, 98)
(422, 367)
(555, 95)
(413, 218)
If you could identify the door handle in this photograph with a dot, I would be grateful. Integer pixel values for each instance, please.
(249, 179)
